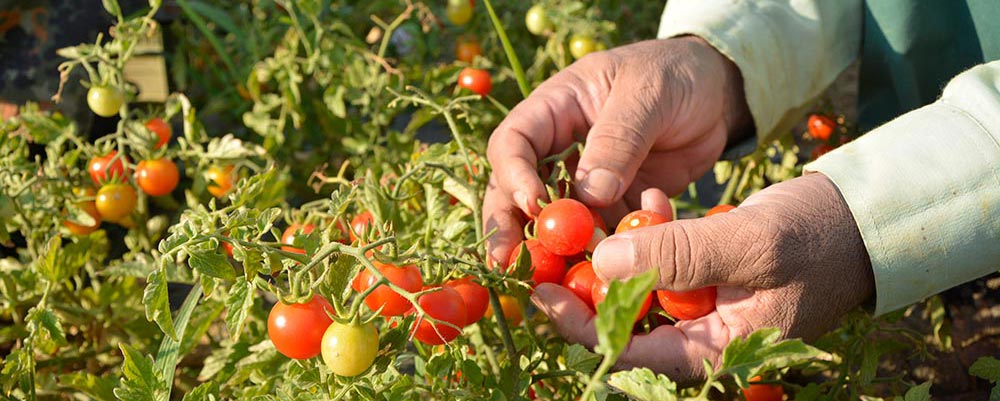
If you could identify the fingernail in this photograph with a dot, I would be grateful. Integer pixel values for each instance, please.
(538, 301)
(521, 199)
(601, 184)
(614, 257)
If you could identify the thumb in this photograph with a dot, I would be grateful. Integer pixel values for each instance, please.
(689, 254)
(616, 146)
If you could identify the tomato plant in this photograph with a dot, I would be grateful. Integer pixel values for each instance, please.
(546, 267)
(288, 237)
(478, 81)
(349, 349)
(157, 177)
(447, 307)
(298, 330)
(105, 101)
(565, 227)
(115, 201)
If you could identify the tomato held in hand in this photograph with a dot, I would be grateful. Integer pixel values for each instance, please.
(297, 329)
(445, 305)
(580, 45)
(220, 180)
(600, 291)
(511, 309)
(107, 167)
(821, 127)
(639, 219)
(349, 349)
(467, 49)
(478, 81)
(581, 279)
(459, 12)
(719, 210)
(407, 277)
(546, 267)
(565, 227)
(161, 129)
(360, 224)
(157, 177)
(105, 101)
(288, 236)
(687, 305)
(763, 392)
(115, 201)
(475, 296)
(89, 207)
(537, 20)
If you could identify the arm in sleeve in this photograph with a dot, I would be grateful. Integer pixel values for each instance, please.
(788, 51)
(925, 191)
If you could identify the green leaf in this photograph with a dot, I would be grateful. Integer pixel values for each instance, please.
(217, 16)
(644, 385)
(140, 382)
(167, 355)
(580, 359)
(204, 392)
(50, 265)
(761, 351)
(988, 368)
(43, 324)
(921, 392)
(99, 388)
(333, 97)
(461, 192)
(111, 6)
(157, 302)
(616, 315)
(18, 370)
(238, 304)
(212, 263)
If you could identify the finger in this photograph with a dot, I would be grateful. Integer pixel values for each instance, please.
(572, 318)
(500, 214)
(653, 199)
(691, 254)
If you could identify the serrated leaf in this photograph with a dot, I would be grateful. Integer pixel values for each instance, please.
(581, 360)
(616, 315)
(761, 351)
(157, 301)
(49, 266)
(42, 323)
(211, 263)
(204, 392)
(140, 382)
(920, 392)
(238, 304)
(644, 385)
(100, 388)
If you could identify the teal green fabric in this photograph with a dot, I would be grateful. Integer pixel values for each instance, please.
(911, 48)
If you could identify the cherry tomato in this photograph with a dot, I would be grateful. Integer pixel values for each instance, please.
(115, 201)
(820, 150)
(537, 20)
(349, 349)
(719, 209)
(687, 305)
(763, 392)
(360, 224)
(220, 180)
(288, 236)
(821, 127)
(297, 329)
(157, 177)
(598, 221)
(445, 305)
(600, 291)
(226, 246)
(475, 296)
(459, 12)
(161, 129)
(478, 81)
(580, 45)
(407, 277)
(565, 227)
(89, 207)
(546, 267)
(467, 49)
(639, 219)
(102, 168)
(581, 280)
(105, 101)
(511, 309)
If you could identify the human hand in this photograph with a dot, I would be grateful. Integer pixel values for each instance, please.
(789, 257)
(656, 115)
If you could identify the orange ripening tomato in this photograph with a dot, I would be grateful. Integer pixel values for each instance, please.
(639, 219)
(821, 127)
(89, 207)
(116, 201)
(687, 305)
(763, 392)
(511, 309)
(288, 236)
(297, 329)
(161, 129)
(157, 177)
(719, 209)
(467, 49)
(220, 180)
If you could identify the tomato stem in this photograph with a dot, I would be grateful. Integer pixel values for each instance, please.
(515, 63)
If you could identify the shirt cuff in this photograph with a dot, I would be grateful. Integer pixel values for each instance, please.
(924, 190)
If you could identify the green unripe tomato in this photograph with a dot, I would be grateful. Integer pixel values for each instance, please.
(580, 46)
(105, 101)
(348, 349)
(537, 20)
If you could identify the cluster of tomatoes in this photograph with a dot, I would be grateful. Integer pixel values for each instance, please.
(566, 230)
(538, 23)
(823, 128)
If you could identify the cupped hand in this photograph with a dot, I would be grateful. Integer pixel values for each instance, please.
(789, 257)
(654, 115)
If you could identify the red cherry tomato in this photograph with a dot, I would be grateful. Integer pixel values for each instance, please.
(719, 209)
(598, 220)
(546, 267)
(157, 177)
(475, 296)
(639, 219)
(445, 305)
(297, 329)
(478, 81)
(687, 305)
(228, 248)
(600, 291)
(467, 49)
(407, 277)
(821, 127)
(288, 236)
(161, 129)
(763, 392)
(102, 168)
(581, 280)
(565, 227)
(360, 224)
